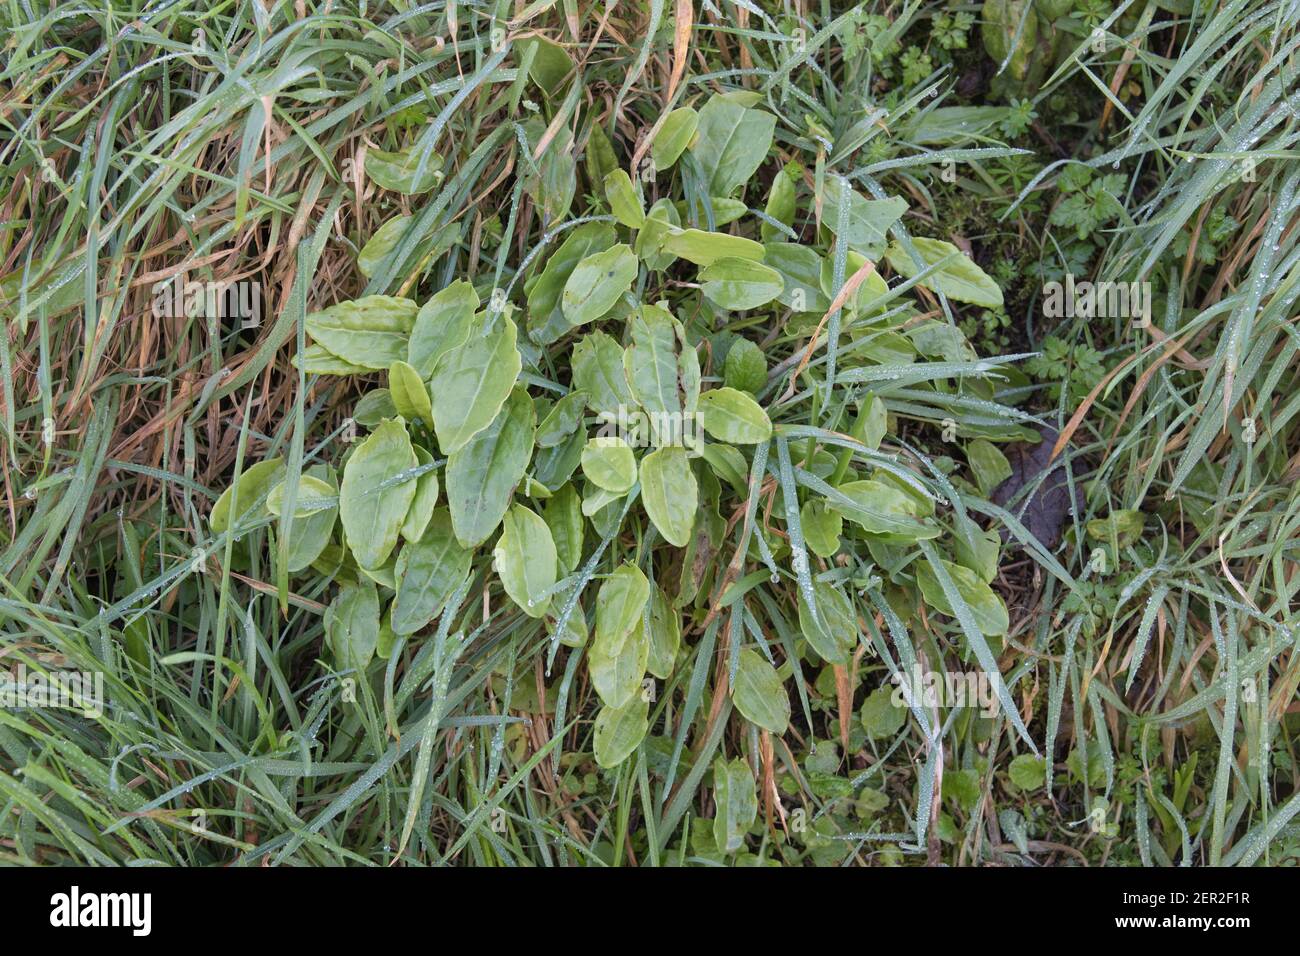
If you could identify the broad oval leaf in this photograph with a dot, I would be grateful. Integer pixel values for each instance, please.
(624, 203)
(759, 694)
(880, 508)
(735, 803)
(731, 142)
(596, 283)
(598, 370)
(664, 636)
(314, 496)
(705, 248)
(651, 361)
(674, 136)
(734, 417)
(397, 171)
(620, 730)
(370, 332)
(352, 624)
(310, 536)
(563, 514)
(745, 368)
(442, 324)
(738, 284)
(471, 382)
(373, 499)
(620, 650)
(833, 632)
(381, 244)
(562, 420)
(958, 278)
(987, 608)
(525, 560)
(620, 601)
(866, 222)
(426, 498)
(409, 394)
(250, 488)
(670, 493)
(608, 463)
(482, 476)
(546, 320)
(822, 527)
(428, 572)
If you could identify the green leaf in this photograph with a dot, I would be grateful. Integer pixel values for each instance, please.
(374, 407)
(562, 420)
(623, 201)
(597, 283)
(352, 624)
(822, 527)
(866, 221)
(660, 222)
(426, 498)
(880, 508)
(759, 694)
(1028, 772)
(618, 665)
(989, 465)
(880, 716)
(608, 463)
(723, 210)
(525, 560)
(801, 270)
(674, 136)
(373, 511)
(471, 382)
(546, 319)
(654, 368)
(746, 367)
(736, 800)
(556, 178)
(318, 360)
(619, 730)
(833, 633)
(370, 332)
(1125, 525)
(482, 475)
(396, 171)
(739, 284)
(311, 535)
(705, 248)
(620, 650)
(670, 493)
(442, 324)
(620, 601)
(989, 612)
(428, 572)
(780, 203)
(550, 65)
(959, 278)
(409, 395)
(664, 636)
(314, 496)
(734, 417)
(873, 421)
(962, 787)
(250, 488)
(731, 142)
(563, 514)
(379, 246)
(598, 370)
